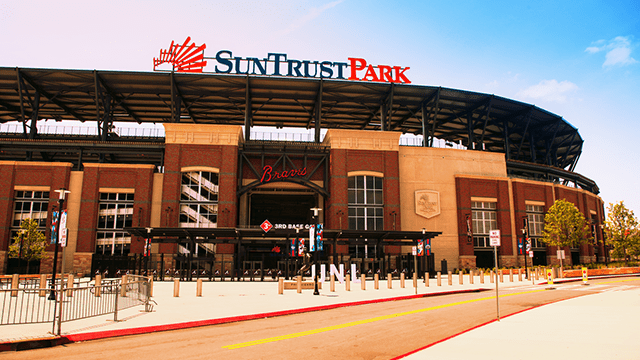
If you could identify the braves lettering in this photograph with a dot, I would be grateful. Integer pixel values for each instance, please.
(268, 174)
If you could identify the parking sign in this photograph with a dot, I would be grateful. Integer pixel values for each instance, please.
(494, 238)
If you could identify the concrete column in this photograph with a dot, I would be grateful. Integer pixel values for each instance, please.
(199, 287)
(70, 285)
(123, 288)
(176, 287)
(43, 284)
(15, 281)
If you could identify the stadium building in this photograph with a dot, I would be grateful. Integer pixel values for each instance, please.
(195, 195)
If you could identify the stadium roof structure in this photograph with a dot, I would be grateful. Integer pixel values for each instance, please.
(527, 135)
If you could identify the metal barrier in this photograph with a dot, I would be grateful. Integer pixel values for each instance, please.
(28, 303)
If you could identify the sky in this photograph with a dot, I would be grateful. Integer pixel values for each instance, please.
(576, 59)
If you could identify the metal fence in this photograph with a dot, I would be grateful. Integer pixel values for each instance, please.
(28, 302)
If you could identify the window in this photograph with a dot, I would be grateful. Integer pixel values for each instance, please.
(114, 214)
(30, 205)
(535, 213)
(199, 199)
(484, 219)
(365, 209)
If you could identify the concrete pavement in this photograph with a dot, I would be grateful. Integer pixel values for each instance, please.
(236, 301)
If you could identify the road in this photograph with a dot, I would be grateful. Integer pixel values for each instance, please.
(374, 331)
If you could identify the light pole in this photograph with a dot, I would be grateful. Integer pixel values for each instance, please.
(316, 212)
(62, 192)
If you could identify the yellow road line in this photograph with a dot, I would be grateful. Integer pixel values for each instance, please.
(365, 321)
(615, 281)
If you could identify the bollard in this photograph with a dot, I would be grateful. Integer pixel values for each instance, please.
(402, 280)
(439, 279)
(510, 275)
(471, 277)
(333, 283)
(415, 280)
(492, 274)
(450, 275)
(426, 279)
(519, 274)
(363, 282)
(389, 279)
(43, 284)
(481, 276)
(299, 284)
(501, 275)
(176, 287)
(460, 277)
(280, 286)
(15, 281)
(199, 287)
(376, 279)
(151, 286)
(123, 286)
(538, 274)
(347, 282)
(70, 285)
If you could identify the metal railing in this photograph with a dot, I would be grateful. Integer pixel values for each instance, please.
(29, 303)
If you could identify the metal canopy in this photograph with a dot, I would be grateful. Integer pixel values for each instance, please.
(248, 235)
(479, 121)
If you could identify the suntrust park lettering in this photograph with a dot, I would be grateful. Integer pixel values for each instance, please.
(278, 64)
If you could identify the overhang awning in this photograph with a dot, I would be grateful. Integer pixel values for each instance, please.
(257, 235)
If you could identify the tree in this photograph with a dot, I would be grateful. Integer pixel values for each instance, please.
(31, 240)
(622, 230)
(564, 225)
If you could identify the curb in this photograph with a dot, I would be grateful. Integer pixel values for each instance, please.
(67, 339)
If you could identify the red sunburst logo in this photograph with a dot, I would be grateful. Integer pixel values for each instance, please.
(183, 58)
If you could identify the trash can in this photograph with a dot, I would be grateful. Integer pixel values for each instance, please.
(443, 266)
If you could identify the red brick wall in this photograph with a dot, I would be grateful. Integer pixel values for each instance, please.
(141, 179)
(345, 161)
(28, 174)
(177, 156)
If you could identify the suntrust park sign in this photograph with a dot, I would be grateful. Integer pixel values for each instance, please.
(190, 58)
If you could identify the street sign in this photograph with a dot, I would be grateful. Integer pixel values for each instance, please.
(530, 254)
(585, 277)
(266, 226)
(494, 237)
(560, 254)
(414, 250)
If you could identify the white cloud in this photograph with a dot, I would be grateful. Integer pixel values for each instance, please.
(312, 14)
(618, 51)
(549, 90)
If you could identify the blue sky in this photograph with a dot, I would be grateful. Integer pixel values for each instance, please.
(577, 59)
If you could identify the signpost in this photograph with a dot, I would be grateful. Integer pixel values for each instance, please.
(494, 240)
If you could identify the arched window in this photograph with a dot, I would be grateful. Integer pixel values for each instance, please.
(199, 199)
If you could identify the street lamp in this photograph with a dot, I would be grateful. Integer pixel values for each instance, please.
(316, 211)
(62, 192)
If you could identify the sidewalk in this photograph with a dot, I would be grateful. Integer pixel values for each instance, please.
(224, 302)
(597, 326)
(233, 301)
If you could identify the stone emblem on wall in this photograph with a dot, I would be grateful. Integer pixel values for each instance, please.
(427, 203)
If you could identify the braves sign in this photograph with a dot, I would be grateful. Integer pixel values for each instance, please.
(190, 58)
